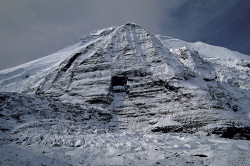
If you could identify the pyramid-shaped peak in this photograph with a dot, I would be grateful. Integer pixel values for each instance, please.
(127, 73)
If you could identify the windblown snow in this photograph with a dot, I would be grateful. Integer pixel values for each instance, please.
(122, 96)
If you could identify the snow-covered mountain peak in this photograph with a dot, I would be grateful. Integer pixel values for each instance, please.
(135, 75)
(101, 100)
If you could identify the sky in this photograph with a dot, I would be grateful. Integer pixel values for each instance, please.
(30, 29)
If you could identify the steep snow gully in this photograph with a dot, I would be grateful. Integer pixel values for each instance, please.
(123, 96)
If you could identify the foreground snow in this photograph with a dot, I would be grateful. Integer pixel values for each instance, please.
(133, 148)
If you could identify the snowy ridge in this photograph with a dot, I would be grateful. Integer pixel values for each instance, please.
(124, 81)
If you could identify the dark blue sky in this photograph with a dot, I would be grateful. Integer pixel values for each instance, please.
(216, 23)
(30, 29)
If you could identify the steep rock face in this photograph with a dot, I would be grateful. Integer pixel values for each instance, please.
(128, 72)
(129, 51)
(149, 82)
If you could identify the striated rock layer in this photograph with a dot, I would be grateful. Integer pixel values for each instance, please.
(147, 82)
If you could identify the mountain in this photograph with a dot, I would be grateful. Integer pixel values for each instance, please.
(125, 80)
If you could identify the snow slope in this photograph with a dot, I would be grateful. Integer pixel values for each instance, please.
(133, 149)
(22, 77)
(123, 96)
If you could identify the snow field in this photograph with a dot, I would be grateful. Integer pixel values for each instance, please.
(133, 148)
